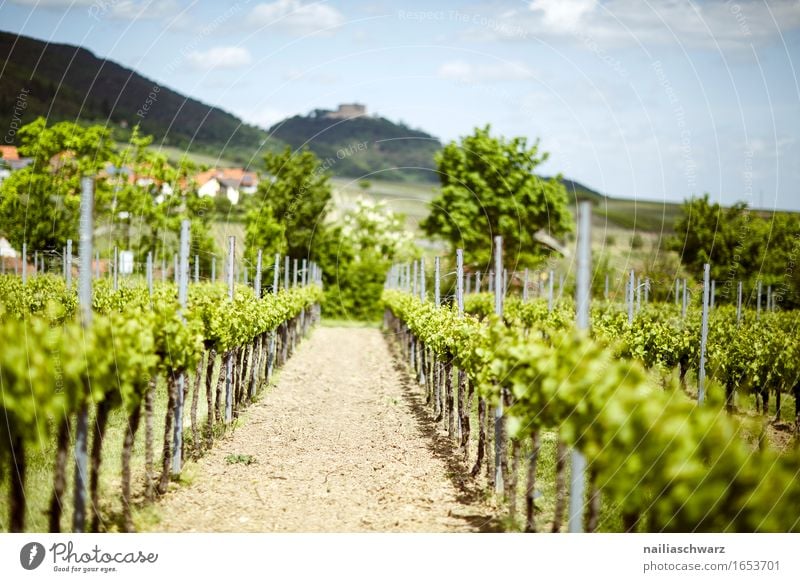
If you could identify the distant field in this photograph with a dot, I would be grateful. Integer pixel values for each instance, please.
(405, 198)
(412, 201)
(175, 154)
(639, 215)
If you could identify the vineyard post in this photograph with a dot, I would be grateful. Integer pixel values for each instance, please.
(769, 298)
(739, 302)
(629, 296)
(646, 290)
(460, 307)
(437, 299)
(149, 273)
(414, 280)
(638, 294)
(163, 270)
(35, 263)
(245, 273)
(713, 296)
(605, 289)
(196, 269)
(422, 293)
(229, 355)
(505, 282)
(685, 299)
(677, 292)
(304, 278)
(183, 284)
(460, 281)
(276, 275)
(499, 486)
(701, 375)
(525, 287)
(582, 300)
(273, 335)
(286, 272)
(116, 268)
(477, 281)
(213, 269)
(294, 281)
(85, 301)
(550, 278)
(257, 282)
(68, 263)
(758, 304)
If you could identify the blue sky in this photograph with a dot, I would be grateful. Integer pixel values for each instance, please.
(637, 99)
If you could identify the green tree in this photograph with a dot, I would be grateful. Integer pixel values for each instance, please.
(150, 199)
(740, 245)
(489, 188)
(297, 193)
(40, 204)
(708, 233)
(263, 232)
(140, 199)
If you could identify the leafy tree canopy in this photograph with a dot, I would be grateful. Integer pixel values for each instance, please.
(297, 192)
(489, 187)
(140, 199)
(740, 244)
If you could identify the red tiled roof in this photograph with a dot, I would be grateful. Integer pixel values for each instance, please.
(239, 175)
(9, 153)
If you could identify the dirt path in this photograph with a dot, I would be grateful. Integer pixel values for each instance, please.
(341, 445)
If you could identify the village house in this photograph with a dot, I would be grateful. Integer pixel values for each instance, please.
(10, 161)
(230, 182)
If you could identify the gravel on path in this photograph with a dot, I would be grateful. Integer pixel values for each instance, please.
(341, 444)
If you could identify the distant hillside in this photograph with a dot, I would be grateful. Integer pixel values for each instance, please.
(70, 83)
(393, 150)
(579, 192)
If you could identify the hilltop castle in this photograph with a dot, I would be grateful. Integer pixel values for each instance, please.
(347, 111)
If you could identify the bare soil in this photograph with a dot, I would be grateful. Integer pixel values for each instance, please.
(342, 443)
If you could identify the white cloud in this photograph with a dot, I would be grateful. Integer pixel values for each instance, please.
(465, 72)
(562, 14)
(135, 9)
(54, 3)
(625, 22)
(116, 9)
(296, 16)
(220, 57)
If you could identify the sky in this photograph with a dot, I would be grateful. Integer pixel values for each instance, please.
(634, 98)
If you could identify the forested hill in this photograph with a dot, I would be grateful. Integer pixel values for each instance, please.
(65, 82)
(373, 147)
